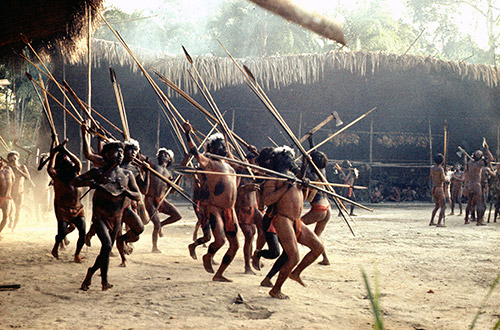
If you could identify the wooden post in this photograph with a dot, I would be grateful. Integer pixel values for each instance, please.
(430, 140)
(64, 104)
(232, 122)
(498, 140)
(157, 145)
(300, 124)
(371, 159)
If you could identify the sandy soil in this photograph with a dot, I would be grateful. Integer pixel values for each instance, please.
(428, 277)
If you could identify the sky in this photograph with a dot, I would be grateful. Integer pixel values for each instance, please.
(194, 10)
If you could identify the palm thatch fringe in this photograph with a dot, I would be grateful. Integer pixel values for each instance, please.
(281, 71)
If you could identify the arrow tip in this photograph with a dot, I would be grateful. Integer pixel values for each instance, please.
(187, 55)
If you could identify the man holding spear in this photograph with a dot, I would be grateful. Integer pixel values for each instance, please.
(288, 199)
(63, 167)
(114, 185)
(220, 210)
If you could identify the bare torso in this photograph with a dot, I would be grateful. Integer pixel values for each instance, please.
(6, 181)
(222, 188)
(437, 176)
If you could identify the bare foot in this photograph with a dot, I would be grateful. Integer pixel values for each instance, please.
(127, 249)
(480, 223)
(192, 251)
(160, 232)
(278, 295)
(112, 254)
(124, 263)
(324, 262)
(466, 222)
(66, 241)
(297, 279)
(207, 263)
(78, 259)
(432, 223)
(106, 286)
(54, 251)
(256, 260)
(221, 278)
(87, 281)
(266, 282)
(155, 250)
(249, 271)
(87, 239)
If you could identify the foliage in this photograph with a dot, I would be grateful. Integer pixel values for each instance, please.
(345, 139)
(444, 18)
(490, 291)
(374, 302)
(260, 33)
(20, 109)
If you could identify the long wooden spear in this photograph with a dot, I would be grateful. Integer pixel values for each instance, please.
(119, 101)
(214, 107)
(192, 170)
(289, 177)
(64, 93)
(320, 24)
(268, 104)
(188, 98)
(47, 73)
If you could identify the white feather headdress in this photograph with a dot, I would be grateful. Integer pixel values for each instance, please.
(213, 137)
(133, 143)
(168, 151)
(281, 149)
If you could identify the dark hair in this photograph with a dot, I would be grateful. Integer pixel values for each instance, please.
(12, 153)
(111, 146)
(438, 159)
(319, 158)
(264, 155)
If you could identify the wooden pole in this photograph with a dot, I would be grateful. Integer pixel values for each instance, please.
(430, 140)
(371, 157)
(445, 148)
(157, 145)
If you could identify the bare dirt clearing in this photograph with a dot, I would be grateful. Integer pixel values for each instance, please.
(429, 278)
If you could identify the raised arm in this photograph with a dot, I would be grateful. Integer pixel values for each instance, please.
(52, 160)
(202, 160)
(89, 154)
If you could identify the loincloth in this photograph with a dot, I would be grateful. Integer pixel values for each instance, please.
(246, 214)
(317, 208)
(68, 214)
(110, 222)
(228, 216)
(297, 225)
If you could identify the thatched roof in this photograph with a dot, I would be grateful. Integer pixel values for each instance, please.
(281, 71)
(52, 26)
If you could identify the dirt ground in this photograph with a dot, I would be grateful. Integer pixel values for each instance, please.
(428, 278)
